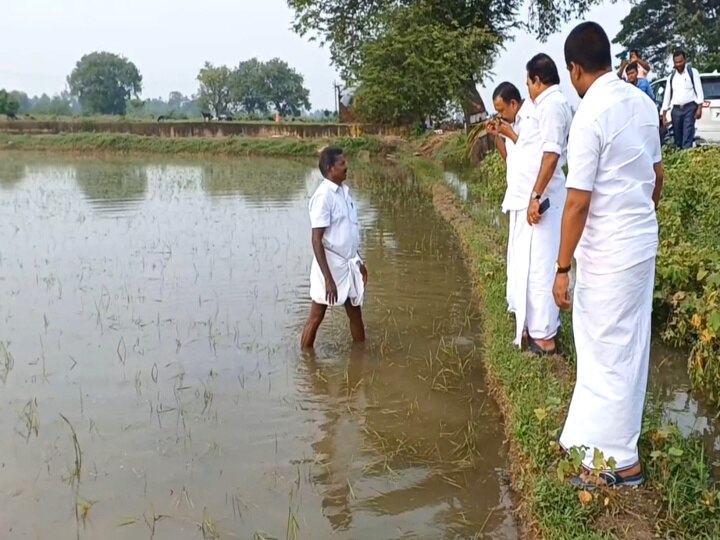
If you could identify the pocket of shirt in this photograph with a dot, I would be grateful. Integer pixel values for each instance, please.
(352, 212)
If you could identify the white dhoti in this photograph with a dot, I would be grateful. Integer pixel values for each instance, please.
(532, 252)
(347, 276)
(611, 324)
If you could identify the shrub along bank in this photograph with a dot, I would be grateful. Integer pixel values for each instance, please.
(223, 146)
(679, 499)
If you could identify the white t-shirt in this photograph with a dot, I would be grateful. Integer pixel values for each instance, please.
(613, 146)
(544, 129)
(331, 207)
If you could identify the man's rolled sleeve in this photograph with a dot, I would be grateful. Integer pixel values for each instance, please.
(551, 122)
(320, 210)
(583, 155)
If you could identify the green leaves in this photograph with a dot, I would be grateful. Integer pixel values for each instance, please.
(254, 87)
(8, 104)
(656, 27)
(418, 58)
(104, 82)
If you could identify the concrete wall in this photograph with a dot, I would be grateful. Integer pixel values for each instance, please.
(197, 129)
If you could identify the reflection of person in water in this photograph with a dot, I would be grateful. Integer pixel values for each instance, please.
(342, 438)
(338, 274)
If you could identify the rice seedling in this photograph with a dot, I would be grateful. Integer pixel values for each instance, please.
(30, 420)
(7, 361)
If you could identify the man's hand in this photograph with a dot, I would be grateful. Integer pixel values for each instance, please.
(561, 291)
(364, 272)
(663, 121)
(331, 294)
(506, 130)
(492, 128)
(533, 212)
(698, 112)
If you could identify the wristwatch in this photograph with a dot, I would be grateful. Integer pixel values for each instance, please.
(535, 196)
(562, 269)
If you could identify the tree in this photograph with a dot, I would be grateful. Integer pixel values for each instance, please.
(104, 82)
(8, 104)
(349, 26)
(250, 90)
(415, 69)
(215, 84)
(656, 27)
(285, 88)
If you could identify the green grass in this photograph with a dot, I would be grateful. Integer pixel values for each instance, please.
(534, 396)
(226, 146)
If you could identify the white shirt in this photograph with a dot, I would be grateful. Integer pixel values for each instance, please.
(516, 195)
(613, 146)
(332, 208)
(545, 129)
(682, 89)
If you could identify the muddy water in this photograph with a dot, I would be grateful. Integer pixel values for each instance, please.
(150, 379)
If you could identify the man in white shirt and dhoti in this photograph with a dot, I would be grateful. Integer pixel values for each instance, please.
(338, 275)
(534, 201)
(609, 224)
(512, 113)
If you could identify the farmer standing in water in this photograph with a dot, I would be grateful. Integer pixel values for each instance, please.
(338, 275)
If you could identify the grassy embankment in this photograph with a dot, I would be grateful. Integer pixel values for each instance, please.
(678, 500)
(221, 146)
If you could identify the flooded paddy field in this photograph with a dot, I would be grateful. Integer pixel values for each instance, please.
(151, 383)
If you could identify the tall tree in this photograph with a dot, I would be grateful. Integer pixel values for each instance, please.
(8, 104)
(415, 69)
(348, 26)
(286, 88)
(656, 27)
(250, 89)
(104, 82)
(215, 84)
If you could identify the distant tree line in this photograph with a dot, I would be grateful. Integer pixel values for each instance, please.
(103, 83)
(253, 88)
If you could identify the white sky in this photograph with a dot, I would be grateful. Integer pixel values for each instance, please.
(169, 40)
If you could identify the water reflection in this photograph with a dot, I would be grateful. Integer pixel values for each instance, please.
(112, 186)
(11, 174)
(258, 180)
(670, 384)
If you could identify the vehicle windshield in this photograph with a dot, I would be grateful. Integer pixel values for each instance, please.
(711, 87)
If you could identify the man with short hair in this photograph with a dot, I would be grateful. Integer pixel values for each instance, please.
(542, 144)
(338, 275)
(513, 113)
(609, 224)
(643, 67)
(684, 93)
(632, 77)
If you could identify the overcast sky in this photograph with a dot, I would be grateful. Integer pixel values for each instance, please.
(169, 40)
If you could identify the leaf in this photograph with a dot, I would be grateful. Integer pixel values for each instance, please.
(702, 273)
(675, 451)
(585, 497)
(541, 414)
(655, 454)
(598, 460)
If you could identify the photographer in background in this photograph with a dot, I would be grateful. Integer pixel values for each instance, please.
(643, 67)
(633, 77)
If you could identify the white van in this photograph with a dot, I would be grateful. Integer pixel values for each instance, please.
(707, 129)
